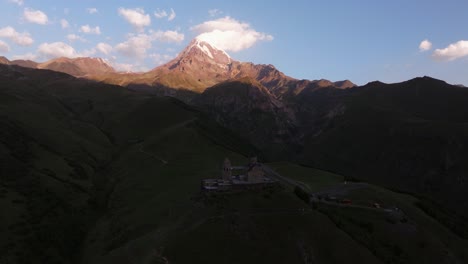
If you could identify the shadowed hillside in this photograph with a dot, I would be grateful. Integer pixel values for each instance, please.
(408, 136)
(95, 173)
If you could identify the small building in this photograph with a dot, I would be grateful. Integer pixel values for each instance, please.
(255, 173)
(250, 177)
(226, 171)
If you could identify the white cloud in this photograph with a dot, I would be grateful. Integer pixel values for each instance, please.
(168, 36)
(104, 48)
(73, 37)
(56, 49)
(4, 47)
(22, 39)
(172, 15)
(160, 59)
(27, 56)
(135, 46)
(160, 13)
(86, 53)
(18, 2)
(425, 45)
(125, 67)
(35, 16)
(64, 23)
(452, 52)
(163, 13)
(90, 30)
(229, 34)
(136, 17)
(91, 10)
(215, 12)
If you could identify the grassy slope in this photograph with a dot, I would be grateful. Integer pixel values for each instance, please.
(403, 136)
(47, 167)
(419, 239)
(76, 151)
(156, 210)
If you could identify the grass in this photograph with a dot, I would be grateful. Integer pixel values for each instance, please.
(410, 239)
(78, 188)
(315, 179)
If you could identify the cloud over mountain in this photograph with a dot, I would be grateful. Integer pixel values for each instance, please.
(104, 48)
(56, 49)
(452, 52)
(4, 47)
(229, 34)
(136, 46)
(168, 36)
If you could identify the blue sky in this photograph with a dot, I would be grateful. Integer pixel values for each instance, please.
(361, 40)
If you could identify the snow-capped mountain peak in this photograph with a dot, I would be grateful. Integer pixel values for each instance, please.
(218, 55)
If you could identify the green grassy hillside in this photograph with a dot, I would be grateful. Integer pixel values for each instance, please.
(94, 173)
(408, 136)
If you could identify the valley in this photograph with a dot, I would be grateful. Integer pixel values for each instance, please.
(105, 167)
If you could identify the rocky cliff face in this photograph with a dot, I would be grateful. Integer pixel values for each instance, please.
(248, 108)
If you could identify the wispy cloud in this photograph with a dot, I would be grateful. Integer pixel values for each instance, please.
(91, 10)
(104, 48)
(160, 13)
(215, 12)
(159, 59)
(64, 23)
(27, 56)
(172, 15)
(4, 47)
(18, 2)
(169, 36)
(73, 37)
(90, 30)
(163, 13)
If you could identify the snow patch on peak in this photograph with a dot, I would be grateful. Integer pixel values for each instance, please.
(205, 45)
(104, 61)
(205, 49)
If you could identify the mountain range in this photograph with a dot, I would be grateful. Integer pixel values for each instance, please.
(197, 67)
(99, 166)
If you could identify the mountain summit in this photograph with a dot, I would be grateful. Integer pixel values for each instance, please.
(201, 65)
(198, 66)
